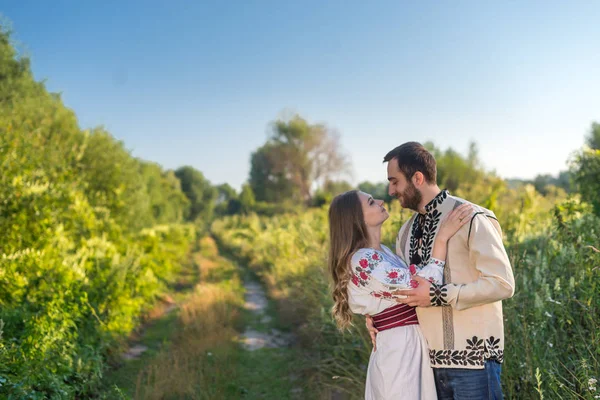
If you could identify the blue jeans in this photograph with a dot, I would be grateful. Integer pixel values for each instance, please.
(469, 384)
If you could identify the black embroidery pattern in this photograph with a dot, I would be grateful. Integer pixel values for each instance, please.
(437, 200)
(477, 352)
(424, 229)
(431, 222)
(415, 240)
(493, 350)
(438, 294)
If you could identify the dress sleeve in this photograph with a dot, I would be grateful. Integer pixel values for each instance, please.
(433, 271)
(365, 294)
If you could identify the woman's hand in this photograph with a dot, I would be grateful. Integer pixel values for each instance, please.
(455, 220)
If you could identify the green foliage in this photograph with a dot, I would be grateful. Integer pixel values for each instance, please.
(166, 200)
(247, 199)
(268, 180)
(453, 169)
(329, 190)
(297, 157)
(593, 139)
(546, 183)
(552, 323)
(112, 178)
(81, 256)
(227, 202)
(585, 167)
(377, 190)
(200, 193)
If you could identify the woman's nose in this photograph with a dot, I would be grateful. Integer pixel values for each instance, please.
(380, 202)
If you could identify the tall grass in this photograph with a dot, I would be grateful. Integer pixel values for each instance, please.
(552, 323)
(200, 362)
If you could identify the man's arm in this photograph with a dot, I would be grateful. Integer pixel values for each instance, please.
(496, 281)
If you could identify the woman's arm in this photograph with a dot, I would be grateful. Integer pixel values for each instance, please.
(363, 294)
(434, 270)
(455, 220)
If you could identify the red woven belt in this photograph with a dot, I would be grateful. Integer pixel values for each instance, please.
(392, 317)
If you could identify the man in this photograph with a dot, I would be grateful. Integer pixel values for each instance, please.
(461, 319)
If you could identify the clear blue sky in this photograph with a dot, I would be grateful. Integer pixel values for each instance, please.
(195, 82)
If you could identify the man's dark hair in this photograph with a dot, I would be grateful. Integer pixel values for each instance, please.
(413, 157)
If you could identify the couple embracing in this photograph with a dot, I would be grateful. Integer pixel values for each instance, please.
(434, 305)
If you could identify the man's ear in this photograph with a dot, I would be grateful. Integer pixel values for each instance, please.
(418, 178)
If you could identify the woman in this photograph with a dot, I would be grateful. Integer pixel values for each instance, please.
(365, 273)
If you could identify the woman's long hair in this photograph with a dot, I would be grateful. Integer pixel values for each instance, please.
(347, 234)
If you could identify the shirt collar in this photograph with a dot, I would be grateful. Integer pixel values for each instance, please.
(436, 202)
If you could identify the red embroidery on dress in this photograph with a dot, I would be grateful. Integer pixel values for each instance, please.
(366, 264)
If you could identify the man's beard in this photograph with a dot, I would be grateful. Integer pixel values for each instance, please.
(411, 198)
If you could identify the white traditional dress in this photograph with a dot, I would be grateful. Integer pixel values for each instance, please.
(399, 369)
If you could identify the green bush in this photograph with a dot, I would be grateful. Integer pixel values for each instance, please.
(89, 237)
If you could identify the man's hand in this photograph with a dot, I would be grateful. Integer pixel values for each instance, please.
(372, 331)
(417, 297)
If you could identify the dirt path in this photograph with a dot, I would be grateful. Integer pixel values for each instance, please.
(259, 333)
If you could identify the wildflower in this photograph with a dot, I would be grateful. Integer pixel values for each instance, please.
(592, 384)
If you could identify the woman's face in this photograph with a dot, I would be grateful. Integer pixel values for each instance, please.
(373, 211)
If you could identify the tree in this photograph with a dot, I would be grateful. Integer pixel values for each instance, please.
(455, 170)
(227, 202)
(297, 159)
(114, 180)
(247, 200)
(593, 139)
(377, 190)
(268, 181)
(224, 193)
(167, 202)
(585, 167)
(329, 190)
(201, 194)
(544, 183)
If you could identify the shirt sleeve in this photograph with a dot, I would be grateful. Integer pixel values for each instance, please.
(496, 281)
